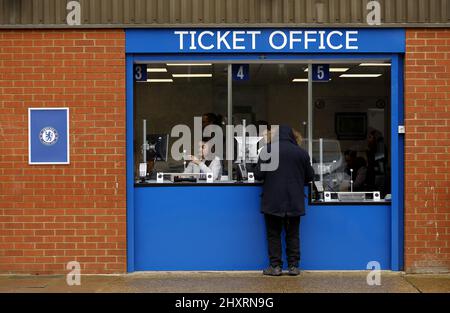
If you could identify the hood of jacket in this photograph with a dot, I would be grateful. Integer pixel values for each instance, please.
(285, 133)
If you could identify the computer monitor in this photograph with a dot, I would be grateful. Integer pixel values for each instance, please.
(351, 126)
(251, 149)
(158, 147)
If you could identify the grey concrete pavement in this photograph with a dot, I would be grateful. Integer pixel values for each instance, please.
(225, 282)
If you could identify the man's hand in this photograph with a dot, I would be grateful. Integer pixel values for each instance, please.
(194, 159)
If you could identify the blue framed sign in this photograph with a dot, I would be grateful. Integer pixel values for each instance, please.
(140, 72)
(321, 72)
(265, 40)
(241, 72)
(48, 136)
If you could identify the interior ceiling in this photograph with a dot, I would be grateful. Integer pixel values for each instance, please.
(262, 73)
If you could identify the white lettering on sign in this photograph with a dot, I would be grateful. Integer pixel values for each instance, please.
(200, 40)
(308, 39)
(253, 34)
(237, 39)
(294, 40)
(193, 47)
(322, 40)
(278, 33)
(350, 39)
(222, 39)
(330, 36)
(181, 34)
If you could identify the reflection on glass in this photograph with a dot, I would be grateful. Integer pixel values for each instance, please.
(172, 96)
(352, 120)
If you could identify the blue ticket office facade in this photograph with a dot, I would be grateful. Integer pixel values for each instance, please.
(219, 226)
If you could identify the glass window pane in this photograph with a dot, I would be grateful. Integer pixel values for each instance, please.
(351, 114)
(173, 95)
(273, 94)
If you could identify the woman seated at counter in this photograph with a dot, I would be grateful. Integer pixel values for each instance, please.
(207, 162)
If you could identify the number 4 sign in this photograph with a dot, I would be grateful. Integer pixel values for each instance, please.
(240, 72)
(320, 72)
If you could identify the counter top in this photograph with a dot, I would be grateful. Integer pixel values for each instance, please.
(168, 183)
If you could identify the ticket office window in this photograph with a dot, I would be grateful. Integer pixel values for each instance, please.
(350, 127)
(272, 94)
(175, 93)
(172, 95)
(351, 134)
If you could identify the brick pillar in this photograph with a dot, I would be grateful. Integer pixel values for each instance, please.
(53, 214)
(427, 150)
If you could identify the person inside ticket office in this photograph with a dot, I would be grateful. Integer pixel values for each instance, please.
(205, 162)
(211, 119)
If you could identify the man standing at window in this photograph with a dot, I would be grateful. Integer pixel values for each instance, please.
(283, 200)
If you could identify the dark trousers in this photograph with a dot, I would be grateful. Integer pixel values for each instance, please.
(274, 227)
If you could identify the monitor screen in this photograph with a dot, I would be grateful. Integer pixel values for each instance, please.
(159, 147)
(351, 126)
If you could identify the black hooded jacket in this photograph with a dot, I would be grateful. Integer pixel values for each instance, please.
(283, 189)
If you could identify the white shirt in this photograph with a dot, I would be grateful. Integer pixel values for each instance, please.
(214, 167)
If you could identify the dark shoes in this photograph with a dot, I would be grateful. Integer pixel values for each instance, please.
(293, 271)
(273, 271)
(276, 271)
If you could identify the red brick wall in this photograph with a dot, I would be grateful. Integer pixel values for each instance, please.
(427, 168)
(53, 214)
(50, 215)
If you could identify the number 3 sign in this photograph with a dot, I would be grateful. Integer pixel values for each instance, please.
(321, 72)
(140, 72)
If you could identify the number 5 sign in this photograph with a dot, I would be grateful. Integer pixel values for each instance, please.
(320, 72)
(240, 72)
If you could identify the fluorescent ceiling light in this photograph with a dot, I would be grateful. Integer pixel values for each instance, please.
(191, 75)
(360, 75)
(189, 64)
(160, 80)
(375, 64)
(339, 69)
(336, 69)
(305, 80)
(157, 70)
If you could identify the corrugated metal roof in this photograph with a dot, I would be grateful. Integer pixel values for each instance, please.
(219, 13)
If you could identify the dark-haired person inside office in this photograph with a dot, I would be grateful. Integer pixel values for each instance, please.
(283, 198)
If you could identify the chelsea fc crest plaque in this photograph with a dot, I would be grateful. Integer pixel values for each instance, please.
(48, 136)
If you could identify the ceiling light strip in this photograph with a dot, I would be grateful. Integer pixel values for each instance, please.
(188, 64)
(191, 75)
(160, 80)
(360, 75)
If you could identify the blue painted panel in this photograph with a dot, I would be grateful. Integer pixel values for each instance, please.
(246, 58)
(345, 237)
(198, 228)
(130, 164)
(397, 159)
(265, 40)
(221, 228)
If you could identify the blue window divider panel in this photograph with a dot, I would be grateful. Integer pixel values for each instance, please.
(221, 228)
